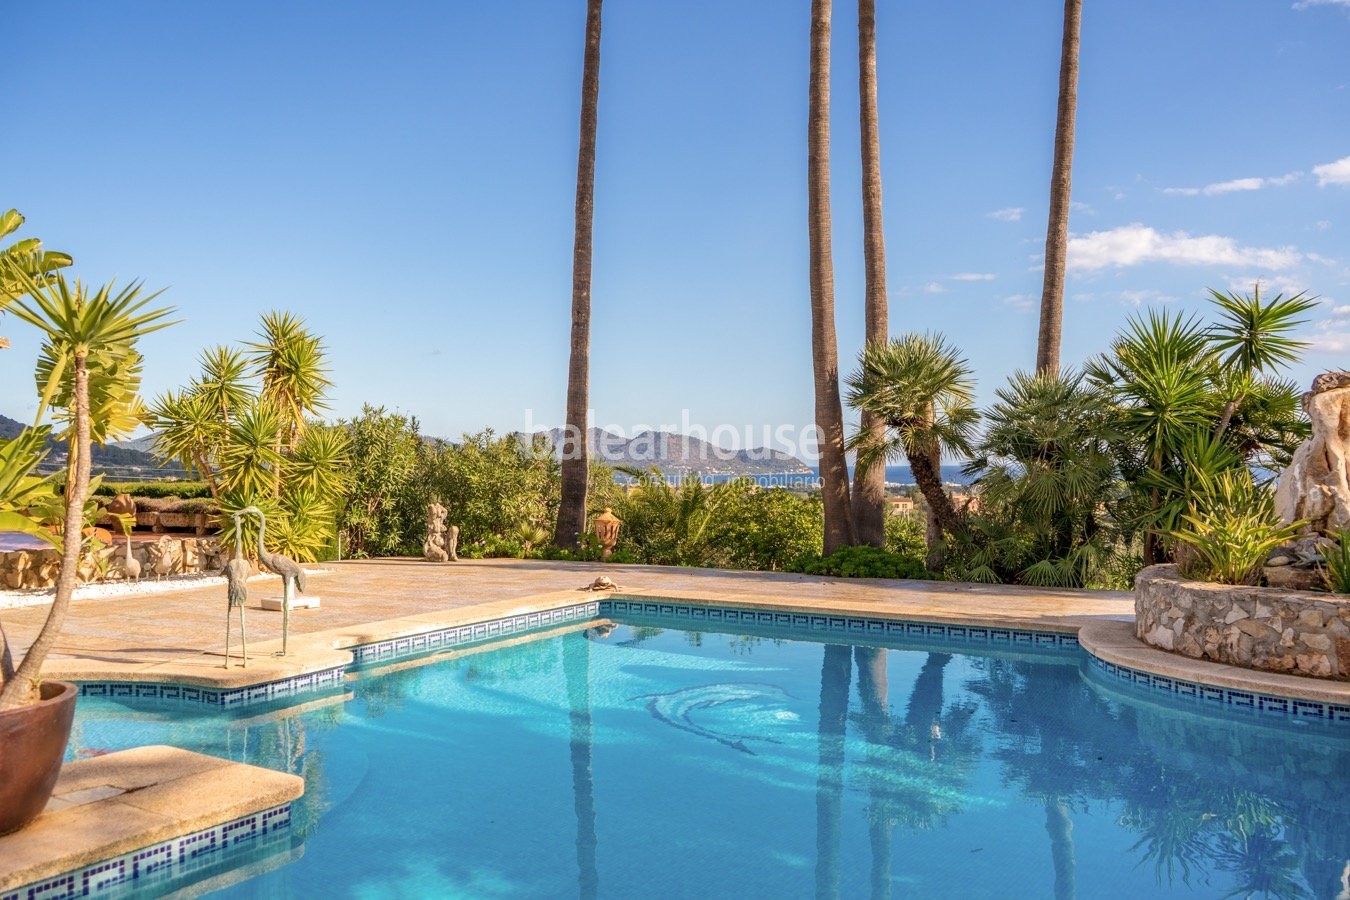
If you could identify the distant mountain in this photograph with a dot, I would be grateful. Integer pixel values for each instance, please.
(679, 454)
(123, 461)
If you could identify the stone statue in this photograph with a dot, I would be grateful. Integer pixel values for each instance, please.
(441, 542)
(1315, 485)
(212, 556)
(452, 543)
(160, 557)
(607, 527)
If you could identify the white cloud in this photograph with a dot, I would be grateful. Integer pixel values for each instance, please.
(1305, 4)
(1010, 214)
(1330, 341)
(1341, 311)
(933, 287)
(1337, 172)
(1136, 244)
(1269, 286)
(1084, 208)
(1139, 298)
(1235, 185)
(1322, 224)
(1020, 302)
(974, 276)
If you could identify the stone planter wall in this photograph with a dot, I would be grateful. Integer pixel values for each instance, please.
(1297, 632)
(37, 569)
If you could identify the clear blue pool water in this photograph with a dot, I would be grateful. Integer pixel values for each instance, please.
(651, 762)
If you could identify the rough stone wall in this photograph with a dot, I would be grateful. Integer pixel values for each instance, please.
(1300, 633)
(37, 569)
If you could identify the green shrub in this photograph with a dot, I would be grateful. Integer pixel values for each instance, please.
(1232, 527)
(154, 489)
(863, 562)
(1336, 572)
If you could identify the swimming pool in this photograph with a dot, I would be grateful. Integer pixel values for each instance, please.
(651, 760)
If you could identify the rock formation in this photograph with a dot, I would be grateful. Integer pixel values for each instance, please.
(1316, 485)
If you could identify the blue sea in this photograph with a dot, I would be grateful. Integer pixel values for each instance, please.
(901, 475)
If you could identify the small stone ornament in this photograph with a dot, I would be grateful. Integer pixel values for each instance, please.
(602, 583)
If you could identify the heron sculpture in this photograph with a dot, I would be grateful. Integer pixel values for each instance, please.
(236, 580)
(292, 576)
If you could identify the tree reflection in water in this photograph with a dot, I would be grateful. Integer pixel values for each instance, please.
(1207, 801)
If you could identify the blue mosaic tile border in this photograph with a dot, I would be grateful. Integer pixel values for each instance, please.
(825, 624)
(1230, 697)
(474, 633)
(167, 861)
(229, 698)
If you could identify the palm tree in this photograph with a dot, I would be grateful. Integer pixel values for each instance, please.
(189, 429)
(291, 362)
(1187, 397)
(824, 344)
(28, 257)
(575, 454)
(921, 389)
(869, 485)
(1061, 173)
(89, 361)
(1047, 482)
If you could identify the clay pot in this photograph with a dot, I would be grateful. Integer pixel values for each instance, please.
(32, 744)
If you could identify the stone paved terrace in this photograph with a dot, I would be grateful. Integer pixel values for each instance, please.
(175, 632)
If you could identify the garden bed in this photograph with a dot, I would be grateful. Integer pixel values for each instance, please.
(1274, 630)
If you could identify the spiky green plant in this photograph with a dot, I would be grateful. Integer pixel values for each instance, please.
(1232, 527)
(1336, 569)
(88, 363)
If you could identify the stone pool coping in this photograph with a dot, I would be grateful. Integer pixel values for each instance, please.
(120, 803)
(1115, 643)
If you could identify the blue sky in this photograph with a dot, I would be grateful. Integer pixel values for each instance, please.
(402, 176)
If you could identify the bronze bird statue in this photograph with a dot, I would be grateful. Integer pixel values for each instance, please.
(292, 576)
(236, 591)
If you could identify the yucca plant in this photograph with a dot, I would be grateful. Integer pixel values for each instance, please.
(1232, 527)
(88, 363)
(1336, 570)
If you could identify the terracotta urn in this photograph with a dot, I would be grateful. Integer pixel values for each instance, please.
(607, 531)
(32, 745)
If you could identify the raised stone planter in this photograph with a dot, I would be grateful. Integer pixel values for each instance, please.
(1297, 632)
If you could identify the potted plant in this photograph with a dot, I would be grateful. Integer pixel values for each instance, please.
(88, 373)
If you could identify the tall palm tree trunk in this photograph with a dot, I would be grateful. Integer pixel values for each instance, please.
(1057, 229)
(869, 487)
(942, 516)
(23, 685)
(576, 456)
(824, 343)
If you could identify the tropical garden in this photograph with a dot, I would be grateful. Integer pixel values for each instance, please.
(1160, 447)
